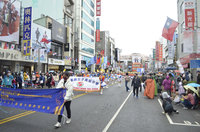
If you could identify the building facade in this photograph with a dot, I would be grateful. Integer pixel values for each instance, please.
(85, 26)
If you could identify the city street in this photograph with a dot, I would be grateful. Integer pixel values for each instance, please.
(115, 111)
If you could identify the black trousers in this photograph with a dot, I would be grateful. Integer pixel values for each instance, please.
(135, 89)
(67, 106)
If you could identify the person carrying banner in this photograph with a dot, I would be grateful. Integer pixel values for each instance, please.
(67, 84)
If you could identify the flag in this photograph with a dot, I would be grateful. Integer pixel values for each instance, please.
(102, 52)
(12, 46)
(98, 60)
(5, 46)
(169, 29)
(102, 60)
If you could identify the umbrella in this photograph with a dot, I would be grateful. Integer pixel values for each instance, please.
(191, 88)
(172, 74)
(193, 85)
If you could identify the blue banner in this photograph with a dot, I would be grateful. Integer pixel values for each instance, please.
(41, 100)
(27, 31)
(194, 63)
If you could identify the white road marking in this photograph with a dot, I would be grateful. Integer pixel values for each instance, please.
(115, 115)
(186, 123)
(196, 123)
(168, 117)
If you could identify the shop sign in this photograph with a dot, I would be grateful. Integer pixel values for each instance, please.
(9, 55)
(56, 62)
(58, 32)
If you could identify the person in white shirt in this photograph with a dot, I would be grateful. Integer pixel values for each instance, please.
(66, 83)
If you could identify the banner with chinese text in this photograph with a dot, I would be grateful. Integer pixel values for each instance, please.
(41, 100)
(27, 31)
(86, 84)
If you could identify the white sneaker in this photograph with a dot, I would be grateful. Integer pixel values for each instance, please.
(185, 108)
(68, 121)
(58, 124)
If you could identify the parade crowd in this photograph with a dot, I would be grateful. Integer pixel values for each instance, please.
(171, 87)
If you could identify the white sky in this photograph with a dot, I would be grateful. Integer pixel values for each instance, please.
(136, 24)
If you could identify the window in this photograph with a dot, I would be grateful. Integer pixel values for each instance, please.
(87, 8)
(87, 49)
(90, 3)
(87, 39)
(182, 48)
(56, 50)
(87, 18)
(86, 28)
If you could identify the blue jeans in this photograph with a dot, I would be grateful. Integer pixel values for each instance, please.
(187, 103)
(126, 85)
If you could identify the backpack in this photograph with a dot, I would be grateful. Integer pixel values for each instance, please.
(168, 108)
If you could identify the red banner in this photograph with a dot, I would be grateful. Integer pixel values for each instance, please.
(98, 7)
(97, 35)
(189, 19)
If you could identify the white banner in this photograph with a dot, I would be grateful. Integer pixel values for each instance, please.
(180, 66)
(188, 42)
(171, 49)
(86, 84)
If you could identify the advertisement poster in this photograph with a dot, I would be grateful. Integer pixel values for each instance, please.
(9, 21)
(41, 37)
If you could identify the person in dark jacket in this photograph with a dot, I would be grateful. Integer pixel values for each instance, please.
(136, 83)
(42, 80)
(198, 78)
(167, 103)
(49, 79)
(19, 81)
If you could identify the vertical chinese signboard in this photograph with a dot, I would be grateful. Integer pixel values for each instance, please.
(97, 30)
(189, 14)
(27, 31)
(98, 7)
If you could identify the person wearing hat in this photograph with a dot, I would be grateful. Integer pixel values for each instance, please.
(7, 81)
(66, 83)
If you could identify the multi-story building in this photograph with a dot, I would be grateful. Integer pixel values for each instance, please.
(85, 26)
(107, 45)
(135, 62)
(62, 45)
(187, 46)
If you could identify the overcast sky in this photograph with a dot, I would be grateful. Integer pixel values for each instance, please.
(136, 24)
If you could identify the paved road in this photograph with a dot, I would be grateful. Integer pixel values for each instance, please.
(93, 112)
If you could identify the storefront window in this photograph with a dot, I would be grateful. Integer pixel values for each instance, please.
(56, 51)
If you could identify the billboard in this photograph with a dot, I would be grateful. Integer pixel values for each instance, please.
(189, 14)
(98, 8)
(41, 37)
(59, 32)
(97, 35)
(136, 59)
(9, 21)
